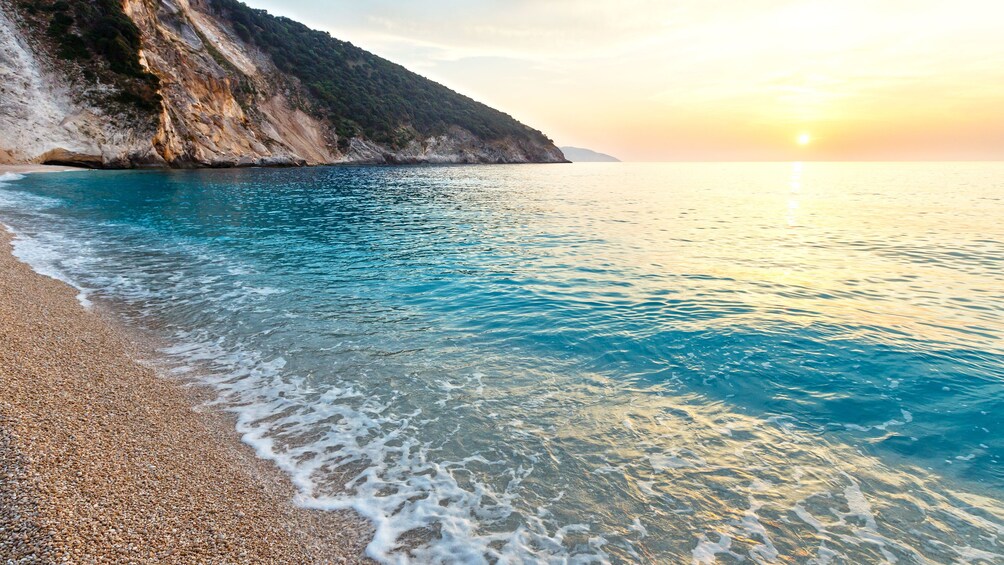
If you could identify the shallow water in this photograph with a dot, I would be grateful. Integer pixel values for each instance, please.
(797, 363)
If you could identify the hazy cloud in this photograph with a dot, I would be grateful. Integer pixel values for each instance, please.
(649, 79)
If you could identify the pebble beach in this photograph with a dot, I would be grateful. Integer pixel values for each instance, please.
(104, 461)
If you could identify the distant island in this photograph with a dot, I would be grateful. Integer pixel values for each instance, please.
(580, 155)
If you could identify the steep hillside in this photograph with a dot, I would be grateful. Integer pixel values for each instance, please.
(120, 83)
(581, 155)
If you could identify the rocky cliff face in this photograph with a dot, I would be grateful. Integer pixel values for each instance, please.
(42, 117)
(222, 103)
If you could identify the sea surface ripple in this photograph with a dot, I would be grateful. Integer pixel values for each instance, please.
(776, 363)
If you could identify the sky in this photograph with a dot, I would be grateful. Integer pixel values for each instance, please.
(660, 80)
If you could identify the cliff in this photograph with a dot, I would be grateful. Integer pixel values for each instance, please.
(212, 83)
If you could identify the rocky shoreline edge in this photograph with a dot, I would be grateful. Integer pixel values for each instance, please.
(104, 461)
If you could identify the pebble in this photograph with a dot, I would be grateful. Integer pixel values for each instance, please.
(104, 461)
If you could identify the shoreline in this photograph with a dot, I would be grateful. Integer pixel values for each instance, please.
(102, 459)
(30, 169)
(34, 169)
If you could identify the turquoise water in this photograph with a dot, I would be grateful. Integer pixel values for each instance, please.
(775, 363)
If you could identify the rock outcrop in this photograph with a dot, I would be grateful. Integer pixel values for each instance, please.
(41, 119)
(222, 103)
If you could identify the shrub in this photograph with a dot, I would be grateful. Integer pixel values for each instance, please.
(99, 35)
(360, 92)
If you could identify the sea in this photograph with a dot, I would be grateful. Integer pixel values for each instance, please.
(579, 363)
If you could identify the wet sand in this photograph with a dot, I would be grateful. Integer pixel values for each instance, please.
(103, 461)
(25, 169)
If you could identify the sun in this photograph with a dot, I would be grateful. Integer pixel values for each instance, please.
(804, 139)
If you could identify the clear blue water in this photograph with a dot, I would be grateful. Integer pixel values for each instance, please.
(581, 363)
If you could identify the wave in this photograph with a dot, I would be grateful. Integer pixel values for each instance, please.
(345, 448)
(10, 177)
(44, 255)
(368, 457)
(520, 454)
(44, 252)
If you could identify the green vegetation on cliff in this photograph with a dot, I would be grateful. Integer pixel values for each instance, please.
(359, 92)
(103, 41)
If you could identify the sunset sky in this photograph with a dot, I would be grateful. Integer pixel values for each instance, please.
(653, 80)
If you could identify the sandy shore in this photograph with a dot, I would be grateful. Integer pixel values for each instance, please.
(25, 169)
(102, 461)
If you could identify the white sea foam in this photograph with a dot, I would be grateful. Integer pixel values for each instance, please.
(907, 418)
(17, 200)
(648, 488)
(44, 255)
(386, 473)
(348, 441)
(754, 529)
(824, 556)
(969, 554)
(857, 526)
(9, 177)
(345, 447)
(707, 551)
(638, 527)
(675, 459)
(808, 518)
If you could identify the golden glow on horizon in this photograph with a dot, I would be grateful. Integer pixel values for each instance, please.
(650, 80)
(803, 139)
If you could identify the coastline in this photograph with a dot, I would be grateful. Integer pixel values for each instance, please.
(102, 460)
(34, 169)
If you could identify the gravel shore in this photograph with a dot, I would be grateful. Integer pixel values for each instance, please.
(102, 461)
(25, 169)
